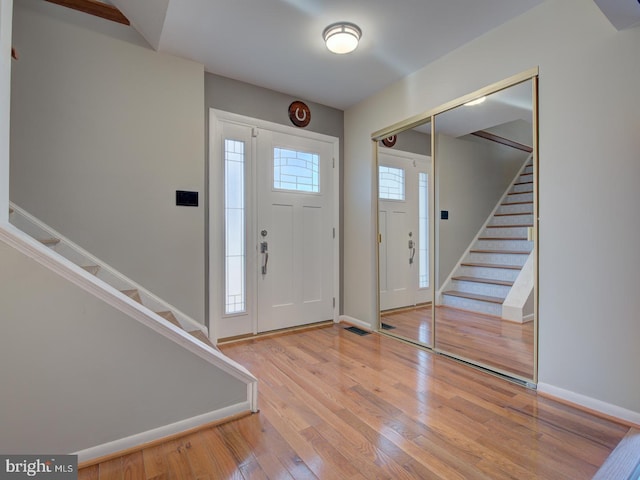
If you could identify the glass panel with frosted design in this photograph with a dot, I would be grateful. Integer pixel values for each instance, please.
(235, 257)
(296, 171)
(423, 230)
(391, 183)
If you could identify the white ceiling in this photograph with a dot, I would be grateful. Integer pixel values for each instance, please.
(278, 44)
(508, 105)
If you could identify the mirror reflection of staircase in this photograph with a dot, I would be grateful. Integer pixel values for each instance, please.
(484, 278)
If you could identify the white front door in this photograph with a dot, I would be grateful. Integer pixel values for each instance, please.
(295, 231)
(273, 226)
(404, 229)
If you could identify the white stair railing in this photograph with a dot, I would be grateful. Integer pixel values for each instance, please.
(37, 229)
(28, 242)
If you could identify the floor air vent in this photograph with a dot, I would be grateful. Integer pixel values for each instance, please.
(357, 331)
(386, 326)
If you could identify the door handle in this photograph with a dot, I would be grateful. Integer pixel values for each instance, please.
(412, 247)
(264, 249)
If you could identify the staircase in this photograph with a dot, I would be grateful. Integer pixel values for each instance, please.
(488, 270)
(156, 308)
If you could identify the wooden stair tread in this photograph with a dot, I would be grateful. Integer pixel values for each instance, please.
(511, 252)
(92, 269)
(133, 294)
(473, 296)
(511, 214)
(199, 334)
(511, 226)
(518, 203)
(502, 238)
(491, 281)
(491, 265)
(524, 183)
(520, 193)
(170, 317)
(49, 241)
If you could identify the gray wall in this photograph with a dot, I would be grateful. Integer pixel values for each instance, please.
(245, 99)
(414, 142)
(77, 373)
(5, 100)
(103, 131)
(472, 177)
(249, 100)
(589, 195)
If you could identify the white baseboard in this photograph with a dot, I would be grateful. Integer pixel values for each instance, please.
(138, 439)
(598, 406)
(355, 322)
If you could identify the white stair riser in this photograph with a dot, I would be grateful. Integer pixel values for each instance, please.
(524, 219)
(519, 245)
(519, 197)
(527, 187)
(472, 305)
(522, 208)
(528, 169)
(505, 232)
(497, 258)
(484, 272)
(487, 289)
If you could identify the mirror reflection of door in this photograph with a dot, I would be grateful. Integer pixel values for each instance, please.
(485, 261)
(405, 229)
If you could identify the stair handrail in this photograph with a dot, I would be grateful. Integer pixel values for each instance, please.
(68, 270)
(130, 284)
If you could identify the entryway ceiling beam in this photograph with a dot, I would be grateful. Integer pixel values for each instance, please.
(94, 7)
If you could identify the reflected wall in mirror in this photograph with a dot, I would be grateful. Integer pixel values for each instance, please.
(484, 292)
(405, 235)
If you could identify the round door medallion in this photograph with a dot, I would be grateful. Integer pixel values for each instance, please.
(389, 141)
(299, 114)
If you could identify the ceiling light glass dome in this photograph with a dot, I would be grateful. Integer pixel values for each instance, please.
(342, 37)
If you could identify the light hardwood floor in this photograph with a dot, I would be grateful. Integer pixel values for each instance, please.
(489, 340)
(335, 405)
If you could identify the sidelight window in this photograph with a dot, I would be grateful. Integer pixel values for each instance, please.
(235, 225)
(423, 230)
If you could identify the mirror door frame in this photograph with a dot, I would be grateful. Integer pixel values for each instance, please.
(429, 117)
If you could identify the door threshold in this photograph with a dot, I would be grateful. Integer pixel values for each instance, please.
(271, 333)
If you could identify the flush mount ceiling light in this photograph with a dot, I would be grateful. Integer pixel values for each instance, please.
(477, 101)
(342, 37)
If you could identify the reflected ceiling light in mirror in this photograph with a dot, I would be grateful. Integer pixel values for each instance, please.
(477, 101)
(342, 37)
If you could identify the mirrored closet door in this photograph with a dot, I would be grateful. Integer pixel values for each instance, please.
(405, 227)
(484, 302)
(475, 225)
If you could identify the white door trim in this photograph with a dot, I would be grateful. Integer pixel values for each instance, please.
(215, 215)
